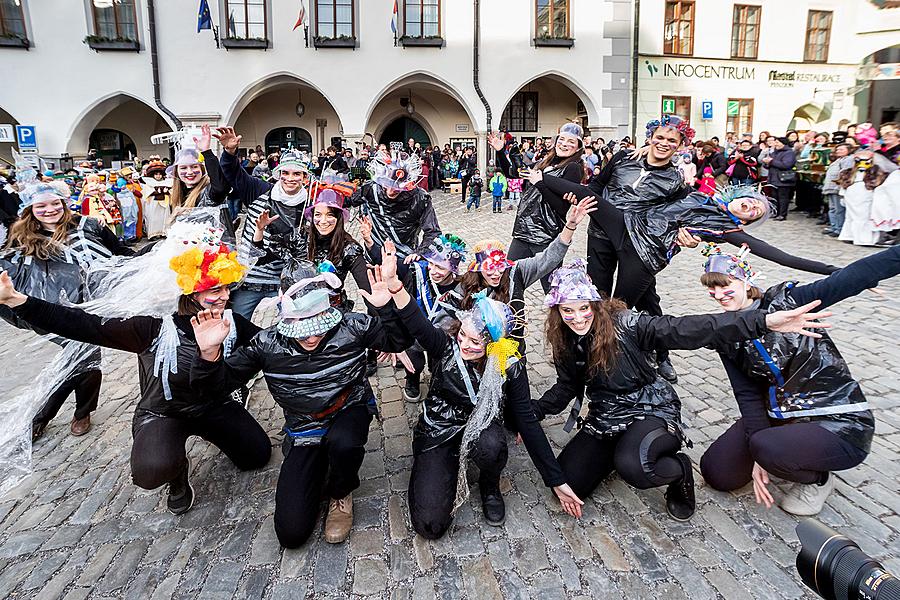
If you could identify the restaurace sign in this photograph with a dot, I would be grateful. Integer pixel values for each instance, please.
(789, 78)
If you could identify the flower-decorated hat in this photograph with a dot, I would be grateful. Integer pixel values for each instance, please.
(489, 255)
(446, 251)
(397, 171)
(207, 263)
(571, 284)
(733, 265)
(185, 156)
(678, 123)
(305, 301)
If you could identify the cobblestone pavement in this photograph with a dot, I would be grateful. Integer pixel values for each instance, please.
(78, 527)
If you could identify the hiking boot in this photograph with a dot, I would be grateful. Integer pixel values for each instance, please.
(667, 371)
(806, 500)
(181, 494)
(492, 505)
(80, 426)
(339, 519)
(680, 500)
(412, 390)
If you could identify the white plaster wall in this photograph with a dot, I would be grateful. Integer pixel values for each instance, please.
(277, 109)
(138, 122)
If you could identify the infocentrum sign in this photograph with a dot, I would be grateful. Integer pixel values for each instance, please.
(687, 70)
(676, 69)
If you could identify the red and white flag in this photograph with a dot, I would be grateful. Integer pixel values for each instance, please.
(301, 18)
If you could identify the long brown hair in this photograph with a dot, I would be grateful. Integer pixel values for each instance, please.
(873, 177)
(27, 235)
(180, 197)
(551, 158)
(472, 282)
(339, 238)
(604, 347)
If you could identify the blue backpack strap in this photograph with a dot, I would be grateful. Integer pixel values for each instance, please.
(776, 373)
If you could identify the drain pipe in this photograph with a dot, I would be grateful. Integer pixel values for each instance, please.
(154, 62)
(634, 70)
(487, 107)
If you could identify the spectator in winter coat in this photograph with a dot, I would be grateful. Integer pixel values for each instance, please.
(498, 185)
(782, 176)
(742, 166)
(831, 191)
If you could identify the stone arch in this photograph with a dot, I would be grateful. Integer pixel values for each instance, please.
(98, 113)
(580, 92)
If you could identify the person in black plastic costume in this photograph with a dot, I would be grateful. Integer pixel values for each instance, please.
(47, 247)
(460, 368)
(538, 221)
(314, 364)
(169, 411)
(604, 351)
(803, 414)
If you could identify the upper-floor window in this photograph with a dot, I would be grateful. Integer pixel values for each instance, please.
(678, 35)
(335, 19)
(422, 18)
(521, 114)
(745, 31)
(552, 19)
(818, 34)
(115, 19)
(246, 19)
(12, 21)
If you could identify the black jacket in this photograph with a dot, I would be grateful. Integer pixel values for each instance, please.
(402, 219)
(632, 389)
(716, 161)
(782, 161)
(137, 335)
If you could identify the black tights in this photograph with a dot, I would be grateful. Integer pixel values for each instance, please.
(301, 483)
(432, 483)
(799, 452)
(519, 250)
(643, 455)
(87, 392)
(158, 455)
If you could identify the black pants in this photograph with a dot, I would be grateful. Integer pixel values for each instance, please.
(302, 481)
(432, 483)
(158, 454)
(635, 284)
(464, 181)
(783, 200)
(643, 455)
(87, 392)
(519, 250)
(799, 452)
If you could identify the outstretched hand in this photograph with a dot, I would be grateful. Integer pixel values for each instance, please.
(228, 138)
(264, 220)
(579, 211)
(203, 142)
(570, 197)
(389, 262)
(800, 320)
(365, 230)
(210, 330)
(8, 294)
(496, 141)
(380, 294)
(570, 502)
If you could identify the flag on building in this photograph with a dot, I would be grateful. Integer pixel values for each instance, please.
(301, 18)
(394, 18)
(204, 20)
(232, 29)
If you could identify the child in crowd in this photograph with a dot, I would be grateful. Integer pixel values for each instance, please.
(688, 169)
(498, 185)
(515, 193)
(476, 183)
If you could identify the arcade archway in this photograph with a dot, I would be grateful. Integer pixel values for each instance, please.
(133, 120)
(402, 129)
(541, 105)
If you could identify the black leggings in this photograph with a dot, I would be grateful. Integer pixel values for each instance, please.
(432, 483)
(799, 452)
(643, 455)
(158, 455)
(87, 392)
(302, 481)
(519, 250)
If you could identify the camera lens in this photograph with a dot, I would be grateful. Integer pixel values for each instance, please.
(834, 567)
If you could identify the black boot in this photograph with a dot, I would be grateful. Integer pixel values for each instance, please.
(667, 371)
(412, 391)
(492, 504)
(181, 494)
(680, 500)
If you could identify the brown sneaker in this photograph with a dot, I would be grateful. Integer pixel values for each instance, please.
(339, 520)
(80, 426)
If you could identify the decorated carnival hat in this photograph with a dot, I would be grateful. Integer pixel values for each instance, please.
(683, 127)
(185, 156)
(397, 171)
(571, 284)
(489, 255)
(32, 189)
(733, 265)
(332, 193)
(293, 159)
(206, 263)
(155, 166)
(446, 251)
(495, 319)
(728, 193)
(305, 301)
(573, 130)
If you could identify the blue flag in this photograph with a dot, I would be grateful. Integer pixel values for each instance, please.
(204, 20)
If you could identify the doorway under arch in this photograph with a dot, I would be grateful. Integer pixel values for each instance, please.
(403, 128)
(112, 145)
(288, 137)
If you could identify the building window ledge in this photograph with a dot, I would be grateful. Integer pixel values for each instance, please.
(241, 43)
(100, 43)
(12, 41)
(336, 42)
(422, 42)
(546, 42)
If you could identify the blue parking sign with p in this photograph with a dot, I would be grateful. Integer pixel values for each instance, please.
(25, 136)
(707, 109)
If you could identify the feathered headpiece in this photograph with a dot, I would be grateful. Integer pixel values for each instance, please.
(571, 284)
(733, 265)
(447, 251)
(398, 170)
(683, 127)
(490, 255)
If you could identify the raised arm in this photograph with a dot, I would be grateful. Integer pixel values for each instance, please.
(247, 187)
(853, 279)
(210, 374)
(769, 252)
(218, 186)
